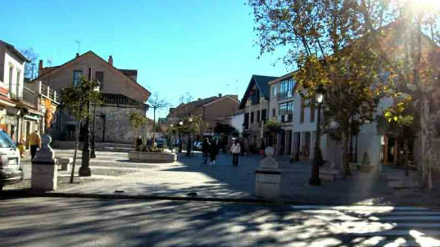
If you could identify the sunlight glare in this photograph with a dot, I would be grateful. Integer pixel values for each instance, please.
(423, 5)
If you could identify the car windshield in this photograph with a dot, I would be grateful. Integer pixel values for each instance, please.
(5, 141)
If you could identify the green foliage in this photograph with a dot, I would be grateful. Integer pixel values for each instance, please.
(225, 129)
(137, 120)
(272, 127)
(75, 99)
(191, 125)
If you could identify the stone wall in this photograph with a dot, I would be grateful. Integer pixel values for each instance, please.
(117, 124)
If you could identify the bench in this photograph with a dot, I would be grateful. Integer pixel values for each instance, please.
(329, 174)
(65, 163)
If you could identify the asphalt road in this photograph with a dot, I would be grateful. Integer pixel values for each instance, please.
(91, 222)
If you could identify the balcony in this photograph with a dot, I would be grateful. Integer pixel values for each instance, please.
(284, 95)
(30, 96)
(49, 93)
(285, 118)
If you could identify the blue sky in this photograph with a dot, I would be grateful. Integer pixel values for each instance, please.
(194, 46)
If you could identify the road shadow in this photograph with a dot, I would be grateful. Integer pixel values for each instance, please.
(135, 223)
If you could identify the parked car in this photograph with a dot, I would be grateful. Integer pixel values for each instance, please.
(10, 169)
(160, 142)
(198, 145)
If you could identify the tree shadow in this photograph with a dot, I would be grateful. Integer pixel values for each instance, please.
(85, 222)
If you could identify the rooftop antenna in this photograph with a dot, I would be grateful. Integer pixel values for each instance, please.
(49, 61)
(236, 87)
(78, 43)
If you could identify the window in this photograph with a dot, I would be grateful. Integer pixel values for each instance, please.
(263, 115)
(255, 97)
(275, 91)
(312, 113)
(246, 121)
(252, 117)
(11, 71)
(258, 116)
(303, 102)
(273, 112)
(77, 77)
(17, 86)
(99, 76)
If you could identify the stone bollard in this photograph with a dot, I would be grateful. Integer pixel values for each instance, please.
(44, 168)
(65, 163)
(268, 177)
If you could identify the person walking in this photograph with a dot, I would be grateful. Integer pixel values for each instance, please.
(235, 150)
(34, 141)
(213, 151)
(205, 150)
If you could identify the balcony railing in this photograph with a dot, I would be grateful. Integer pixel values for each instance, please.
(119, 99)
(285, 95)
(48, 92)
(29, 96)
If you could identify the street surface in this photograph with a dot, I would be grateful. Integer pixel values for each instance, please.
(46, 222)
(112, 171)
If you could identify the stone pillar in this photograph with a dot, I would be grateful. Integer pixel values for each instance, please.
(44, 168)
(268, 177)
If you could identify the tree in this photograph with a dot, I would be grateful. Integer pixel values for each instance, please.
(140, 122)
(322, 40)
(156, 103)
(398, 122)
(75, 100)
(29, 68)
(225, 129)
(271, 130)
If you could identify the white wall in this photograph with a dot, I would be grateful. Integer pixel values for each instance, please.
(17, 90)
(237, 122)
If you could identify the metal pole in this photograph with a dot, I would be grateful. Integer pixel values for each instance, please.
(84, 170)
(92, 153)
(314, 179)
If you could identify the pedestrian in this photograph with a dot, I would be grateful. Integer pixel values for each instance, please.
(205, 150)
(22, 147)
(34, 141)
(235, 150)
(213, 151)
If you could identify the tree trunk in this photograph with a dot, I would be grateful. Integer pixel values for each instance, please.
(154, 125)
(345, 154)
(427, 150)
(76, 150)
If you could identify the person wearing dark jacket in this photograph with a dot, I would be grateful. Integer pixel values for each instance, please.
(213, 151)
(205, 150)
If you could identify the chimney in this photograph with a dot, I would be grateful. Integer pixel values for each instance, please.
(40, 67)
(110, 60)
(77, 54)
(220, 95)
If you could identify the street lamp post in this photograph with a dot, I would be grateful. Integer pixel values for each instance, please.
(93, 144)
(188, 147)
(314, 179)
(180, 138)
(84, 170)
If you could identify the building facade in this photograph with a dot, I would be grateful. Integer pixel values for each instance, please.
(122, 96)
(211, 110)
(281, 109)
(24, 107)
(255, 105)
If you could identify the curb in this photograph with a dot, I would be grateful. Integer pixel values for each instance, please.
(29, 193)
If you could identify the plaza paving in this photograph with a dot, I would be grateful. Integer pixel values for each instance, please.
(114, 174)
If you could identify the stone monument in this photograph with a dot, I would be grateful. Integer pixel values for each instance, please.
(44, 168)
(268, 177)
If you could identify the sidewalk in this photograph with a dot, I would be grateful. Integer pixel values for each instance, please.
(114, 175)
